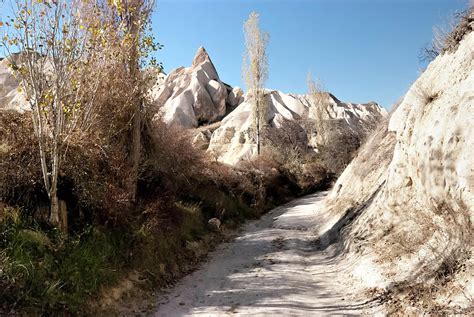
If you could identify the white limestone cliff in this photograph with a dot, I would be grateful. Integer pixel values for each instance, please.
(221, 116)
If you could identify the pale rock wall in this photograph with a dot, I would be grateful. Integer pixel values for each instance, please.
(195, 98)
(234, 141)
(10, 98)
(415, 207)
(191, 96)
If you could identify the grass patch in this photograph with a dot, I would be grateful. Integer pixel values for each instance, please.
(47, 272)
(163, 254)
(44, 271)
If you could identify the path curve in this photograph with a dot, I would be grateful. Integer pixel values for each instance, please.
(272, 268)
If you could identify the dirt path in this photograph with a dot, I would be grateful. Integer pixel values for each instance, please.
(272, 268)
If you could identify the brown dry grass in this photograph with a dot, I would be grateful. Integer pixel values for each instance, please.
(447, 40)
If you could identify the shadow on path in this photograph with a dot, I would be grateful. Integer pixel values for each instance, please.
(272, 268)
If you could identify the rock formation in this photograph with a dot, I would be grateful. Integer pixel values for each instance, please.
(409, 195)
(221, 117)
(191, 96)
(233, 140)
(10, 96)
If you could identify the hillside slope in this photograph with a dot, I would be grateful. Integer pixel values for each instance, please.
(289, 117)
(406, 202)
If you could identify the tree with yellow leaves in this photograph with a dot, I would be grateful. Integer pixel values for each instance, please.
(67, 49)
(57, 51)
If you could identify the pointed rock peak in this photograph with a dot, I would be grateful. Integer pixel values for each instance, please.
(202, 60)
(334, 98)
(200, 57)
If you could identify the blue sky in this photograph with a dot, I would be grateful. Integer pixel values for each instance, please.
(361, 49)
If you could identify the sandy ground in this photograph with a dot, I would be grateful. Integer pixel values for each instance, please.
(272, 268)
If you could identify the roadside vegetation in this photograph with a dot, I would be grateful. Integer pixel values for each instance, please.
(179, 190)
(446, 38)
(92, 187)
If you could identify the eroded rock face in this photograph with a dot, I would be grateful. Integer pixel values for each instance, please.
(195, 98)
(191, 96)
(234, 140)
(235, 97)
(414, 184)
(10, 97)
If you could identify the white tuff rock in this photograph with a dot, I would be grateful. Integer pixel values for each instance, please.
(412, 185)
(191, 96)
(233, 141)
(10, 97)
(214, 224)
(195, 98)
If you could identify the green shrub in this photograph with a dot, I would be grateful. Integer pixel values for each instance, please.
(49, 272)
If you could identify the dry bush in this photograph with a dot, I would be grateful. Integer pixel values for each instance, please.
(446, 40)
(173, 166)
(20, 177)
(95, 169)
(89, 182)
(287, 153)
(269, 185)
(464, 26)
(341, 147)
(305, 170)
(258, 183)
(444, 235)
(173, 170)
(168, 150)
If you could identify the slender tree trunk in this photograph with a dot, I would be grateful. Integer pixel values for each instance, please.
(134, 69)
(258, 139)
(50, 181)
(63, 216)
(136, 149)
(258, 125)
(53, 193)
(54, 212)
(39, 131)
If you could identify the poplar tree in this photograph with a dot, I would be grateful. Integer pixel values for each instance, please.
(255, 72)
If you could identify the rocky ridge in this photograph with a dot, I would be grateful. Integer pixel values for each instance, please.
(221, 116)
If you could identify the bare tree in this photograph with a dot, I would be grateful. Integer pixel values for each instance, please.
(132, 19)
(57, 56)
(317, 111)
(255, 71)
